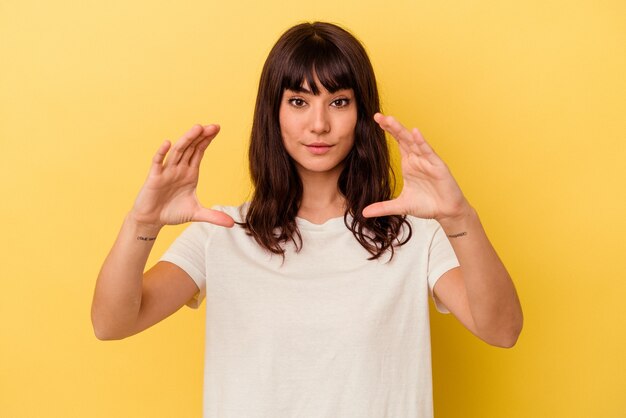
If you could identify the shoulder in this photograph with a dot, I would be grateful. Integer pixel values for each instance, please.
(427, 236)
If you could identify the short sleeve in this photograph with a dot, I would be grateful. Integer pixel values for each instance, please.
(188, 252)
(441, 258)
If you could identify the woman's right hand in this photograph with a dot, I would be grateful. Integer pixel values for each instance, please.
(168, 196)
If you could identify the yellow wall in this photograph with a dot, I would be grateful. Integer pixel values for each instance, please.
(526, 101)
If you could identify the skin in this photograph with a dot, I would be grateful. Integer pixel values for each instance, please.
(127, 301)
(327, 118)
(479, 293)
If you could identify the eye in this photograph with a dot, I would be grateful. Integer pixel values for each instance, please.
(297, 102)
(343, 102)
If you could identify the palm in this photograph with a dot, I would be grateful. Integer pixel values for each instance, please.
(429, 189)
(168, 196)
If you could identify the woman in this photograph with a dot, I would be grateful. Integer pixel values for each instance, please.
(317, 289)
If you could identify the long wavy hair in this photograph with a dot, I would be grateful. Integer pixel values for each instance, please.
(339, 61)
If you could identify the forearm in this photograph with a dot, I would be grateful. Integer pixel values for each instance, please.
(117, 296)
(491, 294)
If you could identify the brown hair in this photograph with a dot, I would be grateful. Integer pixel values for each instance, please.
(339, 61)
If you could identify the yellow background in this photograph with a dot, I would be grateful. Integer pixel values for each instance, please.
(526, 102)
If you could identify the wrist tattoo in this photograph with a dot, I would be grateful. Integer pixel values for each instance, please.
(460, 234)
(140, 238)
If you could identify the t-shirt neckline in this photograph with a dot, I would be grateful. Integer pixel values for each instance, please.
(331, 223)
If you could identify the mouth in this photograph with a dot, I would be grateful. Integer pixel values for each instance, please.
(318, 148)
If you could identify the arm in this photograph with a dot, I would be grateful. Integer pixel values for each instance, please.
(480, 293)
(125, 299)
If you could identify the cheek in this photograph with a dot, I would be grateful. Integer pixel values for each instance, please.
(287, 133)
(286, 124)
(281, 120)
(350, 126)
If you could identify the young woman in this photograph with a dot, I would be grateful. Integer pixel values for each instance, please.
(317, 289)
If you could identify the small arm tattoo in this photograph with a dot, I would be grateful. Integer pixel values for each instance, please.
(140, 238)
(460, 234)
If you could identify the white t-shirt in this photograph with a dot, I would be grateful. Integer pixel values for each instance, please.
(326, 333)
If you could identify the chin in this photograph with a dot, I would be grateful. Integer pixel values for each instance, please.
(320, 167)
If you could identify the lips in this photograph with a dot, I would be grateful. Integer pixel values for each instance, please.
(318, 148)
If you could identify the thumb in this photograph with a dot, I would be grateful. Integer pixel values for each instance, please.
(215, 217)
(388, 207)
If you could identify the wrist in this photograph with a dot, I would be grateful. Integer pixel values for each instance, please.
(145, 231)
(458, 224)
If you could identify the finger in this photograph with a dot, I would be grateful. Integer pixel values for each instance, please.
(380, 119)
(182, 144)
(199, 145)
(425, 148)
(421, 142)
(406, 146)
(215, 217)
(198, 153)
(212, 130)
(388, 207)
(157, 160)
(398, 131)
(406, 149)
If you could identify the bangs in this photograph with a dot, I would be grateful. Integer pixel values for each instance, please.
(317, 57)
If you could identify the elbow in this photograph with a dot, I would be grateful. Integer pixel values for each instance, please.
(507, 337)
(103, 331)
(508, 342)
(103, 334)
(510, 337)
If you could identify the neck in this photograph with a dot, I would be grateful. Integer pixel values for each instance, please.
(321, 198)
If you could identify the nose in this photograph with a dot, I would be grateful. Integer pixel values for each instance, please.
(320, 123)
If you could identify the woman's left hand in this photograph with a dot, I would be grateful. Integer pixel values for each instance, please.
(429, 189)
(480, 293)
